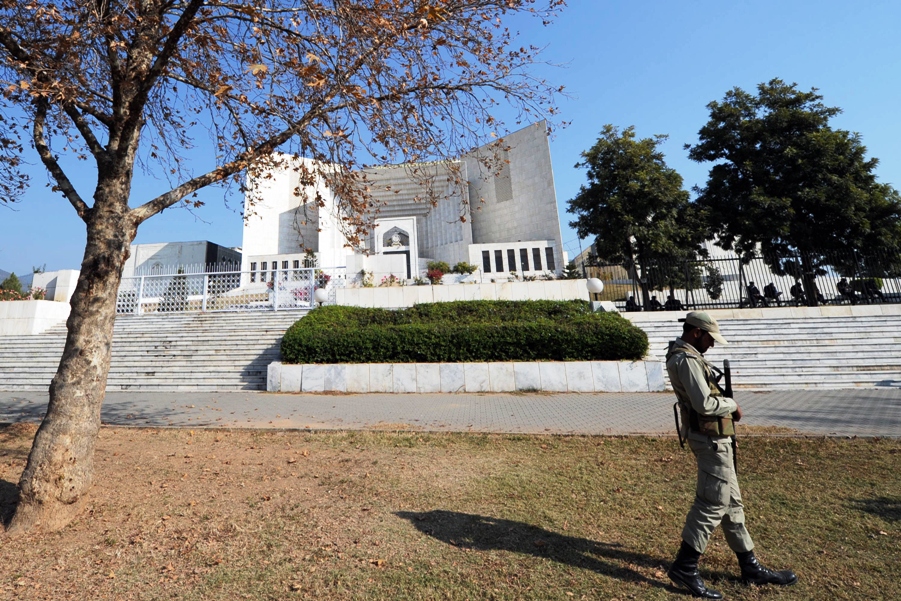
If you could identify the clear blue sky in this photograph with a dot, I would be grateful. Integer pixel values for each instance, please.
(653, 64)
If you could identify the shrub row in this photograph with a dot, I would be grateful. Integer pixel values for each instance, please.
(458, 312)
(467, 331)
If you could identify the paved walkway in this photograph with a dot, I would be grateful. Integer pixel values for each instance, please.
(859, 412)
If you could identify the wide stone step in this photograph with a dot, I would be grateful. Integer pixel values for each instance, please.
(148, 354)
(151, 387)
(185, 336)
(789, 363)
(216, 351)
(209, 352)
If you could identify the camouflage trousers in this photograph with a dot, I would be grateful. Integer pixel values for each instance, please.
(717, 498)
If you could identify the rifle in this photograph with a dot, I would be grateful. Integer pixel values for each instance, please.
(727, 375)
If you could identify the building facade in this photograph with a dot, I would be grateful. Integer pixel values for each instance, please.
(505, 223)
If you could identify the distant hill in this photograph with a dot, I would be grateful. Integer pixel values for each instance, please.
(25, 280)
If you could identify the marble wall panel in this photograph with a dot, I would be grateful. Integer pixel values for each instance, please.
(476, 377)
(501, 378)
(606, 376)
(428, 377)
(411, 295)
(335, 378)
(404, 377)
(381, 377)
(358, 377)
(579, 377)
(291, 378)
(274, 377)
(634, 376)
(452, 377)
(527, 375)
(313, 378)
(655, 370)
(395, 297)
(553, 376)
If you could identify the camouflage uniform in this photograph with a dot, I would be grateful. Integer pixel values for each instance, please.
(718, 498)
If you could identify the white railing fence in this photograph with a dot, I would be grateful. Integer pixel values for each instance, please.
(184, 291)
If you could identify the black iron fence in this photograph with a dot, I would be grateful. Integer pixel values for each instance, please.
(751, 282)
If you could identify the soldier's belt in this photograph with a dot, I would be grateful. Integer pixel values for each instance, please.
(710, 425)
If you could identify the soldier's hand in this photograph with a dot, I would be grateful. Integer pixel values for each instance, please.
(736, 415)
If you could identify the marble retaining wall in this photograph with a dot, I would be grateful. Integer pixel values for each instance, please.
(406, 296)
(25, 318)
(549, 376)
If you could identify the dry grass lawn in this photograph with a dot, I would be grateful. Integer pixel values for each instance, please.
(180, 514)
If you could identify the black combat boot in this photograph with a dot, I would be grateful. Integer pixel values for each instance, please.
(684, 572)
(754, 573)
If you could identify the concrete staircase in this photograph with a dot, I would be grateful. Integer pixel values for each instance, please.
(197, 352)
(770, 349)
(769, 352)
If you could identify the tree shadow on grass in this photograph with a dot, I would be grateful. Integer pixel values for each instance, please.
(887, 508)
(482, 533)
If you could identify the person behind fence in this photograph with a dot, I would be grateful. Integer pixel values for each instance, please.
(820, 298)
(844, 288)
(631, 305)
(654, 304)
(672, 303)
(797, 292)
(707, 422)
(872, 290)
(754, 295)
(770, 292)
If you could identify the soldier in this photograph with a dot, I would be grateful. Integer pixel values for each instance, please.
(631, 305)
(707, 424)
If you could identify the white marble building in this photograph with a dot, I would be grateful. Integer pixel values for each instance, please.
(502, 224)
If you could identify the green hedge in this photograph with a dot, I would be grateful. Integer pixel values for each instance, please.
(465, 331)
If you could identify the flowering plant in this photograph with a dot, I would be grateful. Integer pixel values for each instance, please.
(434, 275)
(390, 280)
(15, 295)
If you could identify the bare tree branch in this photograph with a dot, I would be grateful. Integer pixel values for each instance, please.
(135, 109)
(52, 165)
(84, 128)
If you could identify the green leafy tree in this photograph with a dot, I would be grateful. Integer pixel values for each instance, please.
(571, 272)
(637, 210)
(713, 284)
(788, 184)
(12, 284)
(128, 86)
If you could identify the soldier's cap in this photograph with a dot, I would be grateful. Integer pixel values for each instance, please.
(700, 319)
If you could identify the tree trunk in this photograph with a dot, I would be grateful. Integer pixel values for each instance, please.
(60, 466)
(810, 283)
(642, 274)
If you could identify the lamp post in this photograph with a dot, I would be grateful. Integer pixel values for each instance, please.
(320, 296)
(595, 286)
